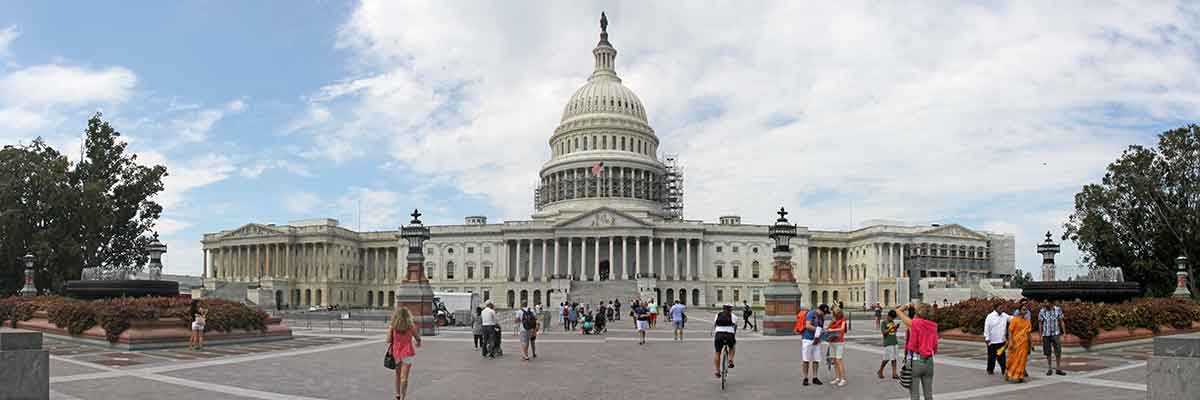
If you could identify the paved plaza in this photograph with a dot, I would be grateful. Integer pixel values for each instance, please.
(332, 361)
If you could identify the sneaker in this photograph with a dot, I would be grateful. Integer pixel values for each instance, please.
(1049, 372)
(817, 381)
(1059, 372)
(805, 382)
(841, 383)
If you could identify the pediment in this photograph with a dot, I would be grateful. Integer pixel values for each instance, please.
(603, 217)
(955, 231)
(252, 230)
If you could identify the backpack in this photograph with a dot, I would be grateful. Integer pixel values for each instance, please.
(527, 320)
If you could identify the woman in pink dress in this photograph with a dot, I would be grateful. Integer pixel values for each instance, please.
(401, 334)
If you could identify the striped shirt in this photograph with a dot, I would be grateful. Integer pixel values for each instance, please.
(1049, 319)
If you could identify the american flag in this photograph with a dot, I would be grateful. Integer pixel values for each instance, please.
(598, 168)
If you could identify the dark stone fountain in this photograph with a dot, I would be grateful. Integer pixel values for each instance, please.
(1102, 285)
(97, 284)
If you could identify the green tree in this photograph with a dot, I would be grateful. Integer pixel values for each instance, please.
(94, 213)
(1144, 213)
(1020, 279)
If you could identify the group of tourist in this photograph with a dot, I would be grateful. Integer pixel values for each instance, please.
(1009, 339)
(1007, 333)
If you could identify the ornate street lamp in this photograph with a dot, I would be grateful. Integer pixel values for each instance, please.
(1181, 288)
(1048, 249)
(782, 294)
(414, 293)
(782, 233)
(28, 289)
(156, 250)
(415, 234)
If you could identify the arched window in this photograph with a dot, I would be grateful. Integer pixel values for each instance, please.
(512, 298)
(754, 268)
(450, 270)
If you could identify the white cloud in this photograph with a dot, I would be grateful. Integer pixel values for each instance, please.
(913, 112)
(184, 176)
(50, 85)
(236, 105)
(301, 203)
(7, 36)
(258, 167)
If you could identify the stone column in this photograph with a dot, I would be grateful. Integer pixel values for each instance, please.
(701, 269)
(674, 259)
(637, 256)
(545, 270)
(528, 261)
(687, 259)
(570, 256)
(624, 259)
(662, 254)
(595, 275)
(612, 265)
(204, 257)
(557, 255)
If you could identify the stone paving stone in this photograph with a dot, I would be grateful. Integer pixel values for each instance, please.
(131, 388)
(64, 368)
(1134, 375)
(1068, 391)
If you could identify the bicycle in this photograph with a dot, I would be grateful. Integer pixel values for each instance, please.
(724, 364)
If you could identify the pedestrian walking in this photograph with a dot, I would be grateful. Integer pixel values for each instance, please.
(572, 317)
(888, 328)
(920, 348)
(995, 331)
(878, 313)
(810, 348)
(617, 309)
(491, 331)
(1020, 339)
(1052, 324)
(641, 317)
(477, 328)
(402, 333)
(747, 315)
(526, 322)
(653, 314)
(678, 318)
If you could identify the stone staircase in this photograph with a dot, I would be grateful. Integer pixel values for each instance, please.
(594, 292)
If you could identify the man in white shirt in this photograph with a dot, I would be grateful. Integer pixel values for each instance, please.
(995, 332)
(487, 319)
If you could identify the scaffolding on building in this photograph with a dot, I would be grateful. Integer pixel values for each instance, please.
(673, 188)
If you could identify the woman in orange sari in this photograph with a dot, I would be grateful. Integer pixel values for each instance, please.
(1019, 341)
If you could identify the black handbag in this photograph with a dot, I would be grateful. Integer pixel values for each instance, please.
(389, 362)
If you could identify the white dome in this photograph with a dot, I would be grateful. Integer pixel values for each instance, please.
(604, 95)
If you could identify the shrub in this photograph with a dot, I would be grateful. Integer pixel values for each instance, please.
(116, 315)
(1082, 319)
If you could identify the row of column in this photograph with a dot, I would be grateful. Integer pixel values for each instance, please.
(612, 182)
(627, 257)
(828, 264)
(889, 259)
(314, 261)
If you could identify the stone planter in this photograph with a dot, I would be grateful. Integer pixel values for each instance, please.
(156, 334)
(1120, 334)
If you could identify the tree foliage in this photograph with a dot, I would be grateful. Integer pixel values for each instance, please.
(94, 213)
(1144, 213)
(1021, 278)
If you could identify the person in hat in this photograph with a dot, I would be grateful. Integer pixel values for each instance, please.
(490, 330)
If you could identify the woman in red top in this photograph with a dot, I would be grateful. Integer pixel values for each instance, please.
(922, 344)
(401, 334)
(837, 346)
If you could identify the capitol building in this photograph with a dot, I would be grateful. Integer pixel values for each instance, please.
(608, 223)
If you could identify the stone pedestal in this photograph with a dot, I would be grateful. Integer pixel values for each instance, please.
(24, 366)
(417, 297)
(782, 304)
(1171, 373)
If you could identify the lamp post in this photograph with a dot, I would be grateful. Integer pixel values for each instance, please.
(782, 293)
(1048, 249)
(28, 289)
(414, 292)
(1181, 289)
(156, 250)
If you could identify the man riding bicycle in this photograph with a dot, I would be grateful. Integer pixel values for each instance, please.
(724, 331)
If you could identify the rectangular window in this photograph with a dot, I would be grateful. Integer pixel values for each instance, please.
(487, 272)
(737, 295)
(604, 142)
(757, 293)
(470, 250)
(718, 249)
(735, 249)
(487, 295)
(720, 295)
(428, 273)
(622, 143)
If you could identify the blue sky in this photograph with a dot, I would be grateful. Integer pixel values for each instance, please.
(987, 114)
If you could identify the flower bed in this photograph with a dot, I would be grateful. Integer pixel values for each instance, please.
(115, 316)
(1086, 322)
